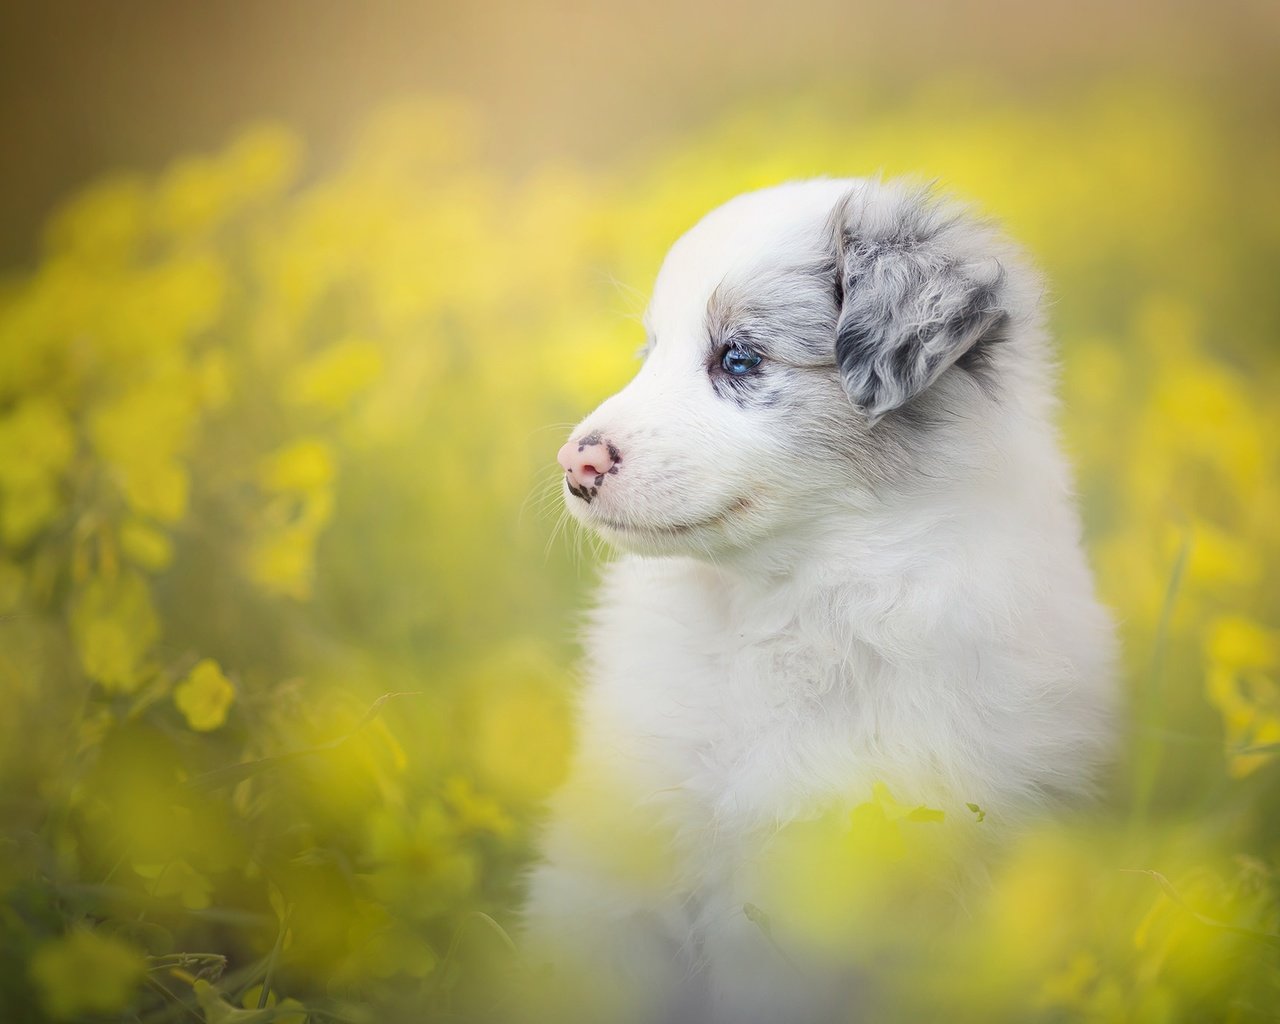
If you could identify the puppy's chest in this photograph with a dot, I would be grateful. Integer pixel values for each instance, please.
(738, 728)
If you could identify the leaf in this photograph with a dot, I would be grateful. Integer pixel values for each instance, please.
(757, 917)
(213, 963)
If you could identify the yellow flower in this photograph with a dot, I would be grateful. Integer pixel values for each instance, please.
(264, 160)
(250, 1002)
(145, 545)
(1069, 986)
(1234, 641)
(84, 972)
(1216, 559)
(475, 811)
(521, 732)
(185, 296)
(383, 947)
(36, 442)
(420, 857)
(114, 625)
(26, 510)
(141, 434)
(217, 1010)
(282, 559)
(332, 378)
(834, 874)
(1239, 653)
(205, 696)
(105, 222)
(194, 197)
(876, 827)
(146, 422)
(157, 488)
(304, 465)
(1249, 704)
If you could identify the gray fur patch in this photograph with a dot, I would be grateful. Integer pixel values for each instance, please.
(918, 290)
(783, 312)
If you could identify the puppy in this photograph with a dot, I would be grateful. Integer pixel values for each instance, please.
(849, 558)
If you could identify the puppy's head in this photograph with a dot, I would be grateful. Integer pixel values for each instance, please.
(804, 342)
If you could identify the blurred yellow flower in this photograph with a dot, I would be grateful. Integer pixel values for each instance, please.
(1216, 558)
(85, 972)
(106, 222)
(252, 385)
(303, 465)
(831, 876)
(250, 1002)
(177, 878)
(1236, 642)
(26, 509)
(521, 726)
(217, 1010)
(475, 811)
(282, 558)
(114, 624)
(1249, 703)
(1241, 656)
(420, 857)
(331, 378)
(36, 441)
(36, 446)
(157, 488)
(1198, 927)
(205, 696)
(382, 947)
(142, 432)
(145, 545)
(194, 196)
(264, 160)
(185, 296)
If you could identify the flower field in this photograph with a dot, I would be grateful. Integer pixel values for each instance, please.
(287, 614)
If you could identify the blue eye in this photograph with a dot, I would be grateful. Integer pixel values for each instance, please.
(738, 361)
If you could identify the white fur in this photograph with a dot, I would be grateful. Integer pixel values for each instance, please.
(843, 601)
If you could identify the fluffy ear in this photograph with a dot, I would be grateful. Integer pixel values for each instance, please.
(918, 285)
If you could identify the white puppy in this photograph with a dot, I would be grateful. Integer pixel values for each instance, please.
(851, 556)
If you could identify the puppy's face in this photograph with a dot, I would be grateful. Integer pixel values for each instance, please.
(784, 328)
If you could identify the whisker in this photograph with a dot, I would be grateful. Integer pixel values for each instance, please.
(563, 426)
(542, 493)
(629, 291)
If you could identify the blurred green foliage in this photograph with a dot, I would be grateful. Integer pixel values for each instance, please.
(285, 641)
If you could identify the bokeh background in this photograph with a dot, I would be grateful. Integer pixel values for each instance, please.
(297, 302)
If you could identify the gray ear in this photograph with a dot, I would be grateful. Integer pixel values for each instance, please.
(918, 286)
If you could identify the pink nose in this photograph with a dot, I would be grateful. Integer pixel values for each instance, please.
(588, 460)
